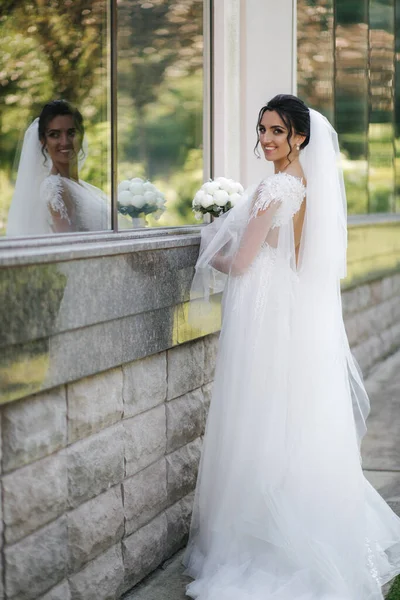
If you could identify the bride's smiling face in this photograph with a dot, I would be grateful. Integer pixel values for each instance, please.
(62, 139)
(272, 133)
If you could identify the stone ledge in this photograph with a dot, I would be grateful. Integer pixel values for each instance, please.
(58, 248)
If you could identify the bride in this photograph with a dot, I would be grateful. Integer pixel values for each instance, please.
(282, 509)
(49, 196)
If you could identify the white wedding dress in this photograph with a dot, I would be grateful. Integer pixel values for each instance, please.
(282, 509)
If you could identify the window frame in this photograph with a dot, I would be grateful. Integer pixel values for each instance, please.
(74, 240)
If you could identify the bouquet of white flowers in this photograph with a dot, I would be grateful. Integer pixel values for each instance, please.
(216, 197)
(137, 197)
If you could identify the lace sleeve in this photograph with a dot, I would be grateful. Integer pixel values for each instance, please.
(281, 188)
(51, 192)
(251, 241)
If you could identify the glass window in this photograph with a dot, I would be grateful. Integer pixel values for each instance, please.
(381, 117)
(315, 58)
(351, 98)
(397, 106)
(160, 111)
(352, 75)
(54, 171)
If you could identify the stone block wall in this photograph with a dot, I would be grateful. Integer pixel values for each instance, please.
(98, 474)
(372, 317)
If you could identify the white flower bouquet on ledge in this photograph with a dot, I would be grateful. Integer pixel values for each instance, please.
(137, 197)
(216, 197)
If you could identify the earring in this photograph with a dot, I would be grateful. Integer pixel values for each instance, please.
(297, 147)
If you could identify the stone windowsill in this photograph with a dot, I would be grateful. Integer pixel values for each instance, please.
(75, 246)
(68, 247)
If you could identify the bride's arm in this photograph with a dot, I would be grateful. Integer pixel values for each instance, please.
(60, 222)
(253, 237)
(59, 204)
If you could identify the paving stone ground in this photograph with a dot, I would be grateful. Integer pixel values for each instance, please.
(381, 463)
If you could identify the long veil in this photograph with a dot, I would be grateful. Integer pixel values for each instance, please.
(322, 260)
(27, 215)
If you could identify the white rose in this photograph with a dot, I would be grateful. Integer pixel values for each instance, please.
(138, 201)
(207, 201)
(234, 198)
(136, 180)
(238, 188)
(227, 184)
(136, 188)
(223, 183)
(124, 185)
(199, 196)
(149, 187)
(221, 197)
(125, 198)
(198, 216)
(231, 187)
(210, 187)
(150, 198)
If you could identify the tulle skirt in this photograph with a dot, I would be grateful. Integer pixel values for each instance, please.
(282, 509)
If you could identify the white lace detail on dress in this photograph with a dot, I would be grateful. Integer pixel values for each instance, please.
(371, 561)
(51, 191)
(283, 188)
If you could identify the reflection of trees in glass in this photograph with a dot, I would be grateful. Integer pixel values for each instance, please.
(381, 130)
(66, 38)
(52, 49)
(315, 54)
(351, 97)
(32, 295)
(160, 97)
(366, 94)
(397, 107)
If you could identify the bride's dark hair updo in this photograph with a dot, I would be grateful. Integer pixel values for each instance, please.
(293, 112)
(54, 109)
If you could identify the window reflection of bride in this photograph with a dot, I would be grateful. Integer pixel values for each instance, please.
(49, 197)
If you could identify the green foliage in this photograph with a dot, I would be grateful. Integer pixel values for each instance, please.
(6, 192)
(394, 592)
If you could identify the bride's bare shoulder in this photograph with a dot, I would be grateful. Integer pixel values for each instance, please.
(297, 173)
